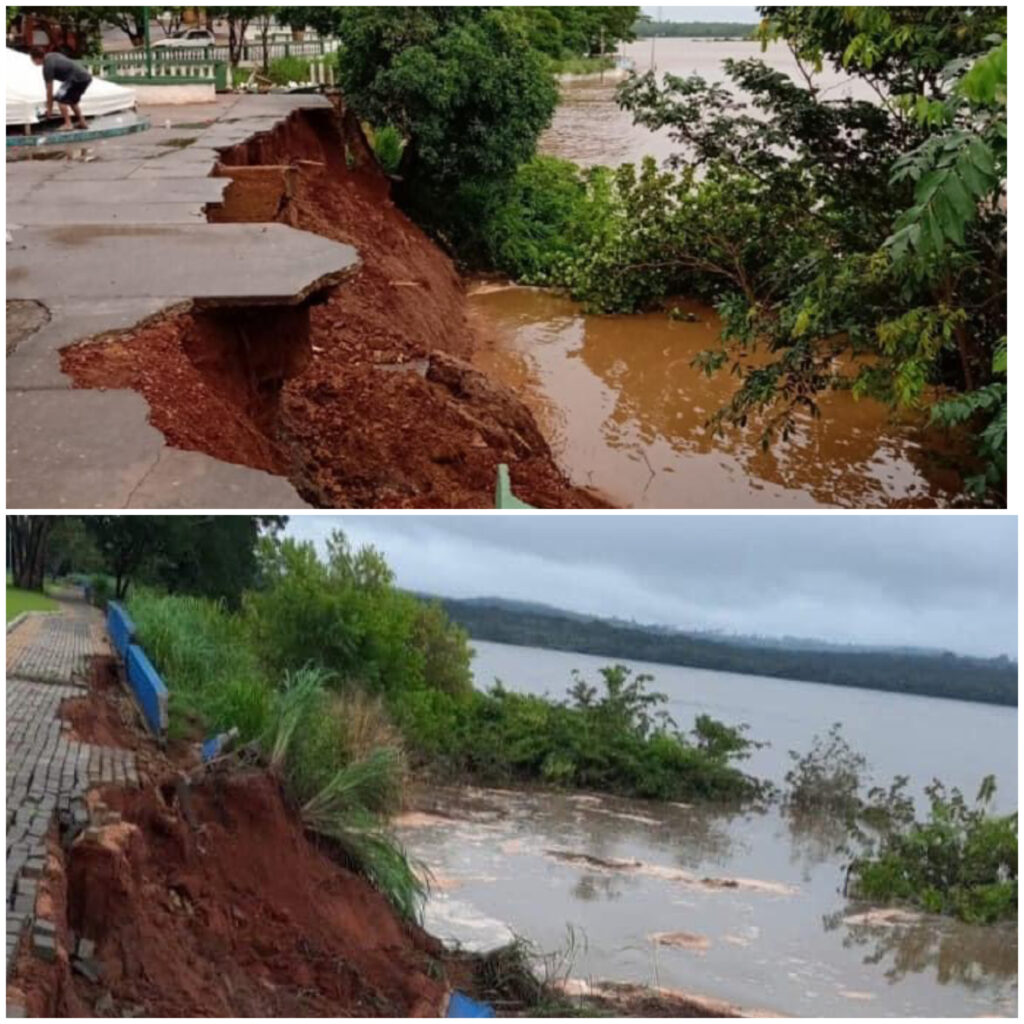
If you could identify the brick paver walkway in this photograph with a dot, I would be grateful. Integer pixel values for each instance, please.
(48, 771)
(55, 648)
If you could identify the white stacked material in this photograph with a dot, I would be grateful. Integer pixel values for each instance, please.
(26, 92)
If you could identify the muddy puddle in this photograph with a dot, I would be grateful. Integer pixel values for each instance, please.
(625, 413)
(737, 907)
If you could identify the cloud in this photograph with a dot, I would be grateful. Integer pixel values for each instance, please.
(945, 581)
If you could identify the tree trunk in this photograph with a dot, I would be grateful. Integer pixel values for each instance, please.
(27, 537)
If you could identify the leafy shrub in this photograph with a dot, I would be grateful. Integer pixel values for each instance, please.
(285, 70)
(617, 740)
(828, 777)
(539, 221)
(962, 860)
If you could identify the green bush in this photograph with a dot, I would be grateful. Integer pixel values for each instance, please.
(537, 223)
(618, 741)
(285, 70)
(367, 631)
(961, 861)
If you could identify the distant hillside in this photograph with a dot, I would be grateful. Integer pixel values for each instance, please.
(897, 670)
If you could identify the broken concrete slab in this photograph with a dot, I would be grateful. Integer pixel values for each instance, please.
(41, 215)
(190, 480)
(95, 449)
(229, 264)
(97, 170)
(121, 238)
(133, 190)
(35, 364)
(77, 449)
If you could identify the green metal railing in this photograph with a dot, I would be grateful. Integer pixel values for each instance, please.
(163, 68)
(504, 498)
(251, 53)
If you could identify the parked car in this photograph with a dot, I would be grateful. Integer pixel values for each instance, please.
(187, 37)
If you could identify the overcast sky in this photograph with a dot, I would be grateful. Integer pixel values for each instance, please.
(934, 581)
(707, 13)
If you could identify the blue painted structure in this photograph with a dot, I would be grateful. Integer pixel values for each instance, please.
(120, 627)
(148, 688)
(460, 1005)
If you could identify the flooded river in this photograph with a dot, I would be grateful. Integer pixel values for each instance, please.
(735, 906)
(591, 129)
(626, 413)
(624, 410)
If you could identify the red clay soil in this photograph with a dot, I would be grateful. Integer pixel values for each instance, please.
(106, 717)
(386, 411)
(240, 916)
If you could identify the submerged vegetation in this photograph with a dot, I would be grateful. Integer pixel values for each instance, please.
(960, 860)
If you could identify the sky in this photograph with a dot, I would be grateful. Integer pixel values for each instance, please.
(707, 13)
(948, 581)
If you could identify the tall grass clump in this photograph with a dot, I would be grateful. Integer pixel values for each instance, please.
(213, 676)
(285, 70)
(388, 145)
(342, 797)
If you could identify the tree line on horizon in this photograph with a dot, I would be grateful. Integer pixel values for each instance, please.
(989, 681)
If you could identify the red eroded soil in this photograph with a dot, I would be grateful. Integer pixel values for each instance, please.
(240, 916)
(107, 716)
(386, 412)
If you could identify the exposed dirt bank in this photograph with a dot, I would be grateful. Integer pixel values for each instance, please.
(379, 406)
(239, 916)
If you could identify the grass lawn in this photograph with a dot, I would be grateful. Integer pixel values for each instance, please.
(19, 601)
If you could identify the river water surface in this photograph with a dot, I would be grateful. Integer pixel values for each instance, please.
(622, 406)
(753, 901)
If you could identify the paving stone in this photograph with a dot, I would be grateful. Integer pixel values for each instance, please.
(48, 772)
(45, 946)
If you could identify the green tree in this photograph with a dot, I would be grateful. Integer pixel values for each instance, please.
(462, 84)
(208, 555)
(72, 548)
(239, 19)
(368, 633)
(324, 20)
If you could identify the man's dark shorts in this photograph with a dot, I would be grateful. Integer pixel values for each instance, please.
(71, 92)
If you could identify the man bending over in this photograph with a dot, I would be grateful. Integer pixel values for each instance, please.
(74, 79)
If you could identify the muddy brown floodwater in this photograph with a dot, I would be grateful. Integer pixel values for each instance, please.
(617, 398)
(625, 413)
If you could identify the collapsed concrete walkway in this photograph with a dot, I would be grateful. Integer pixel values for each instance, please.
(49, 771)
(106, 243)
